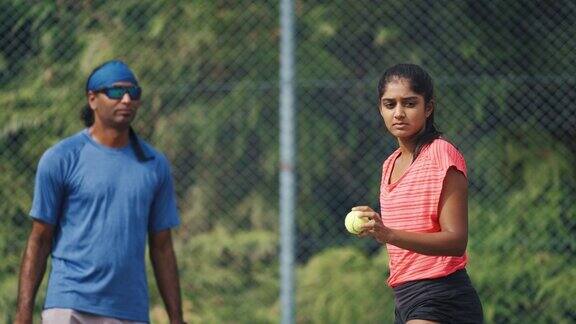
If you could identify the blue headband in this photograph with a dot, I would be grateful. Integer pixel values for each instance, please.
(110, 73)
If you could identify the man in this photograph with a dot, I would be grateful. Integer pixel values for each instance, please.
(98, 195)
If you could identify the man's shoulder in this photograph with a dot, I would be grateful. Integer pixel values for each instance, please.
(62, 154)
(71, 142)
(66, 146)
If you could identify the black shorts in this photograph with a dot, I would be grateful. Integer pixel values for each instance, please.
(450, 299)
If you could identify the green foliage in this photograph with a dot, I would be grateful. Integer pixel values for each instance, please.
(230, 275)
(343, 285)
(520, 285)
(524, 267)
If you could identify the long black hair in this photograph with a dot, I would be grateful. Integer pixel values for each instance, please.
(421, 83)
(87, 114)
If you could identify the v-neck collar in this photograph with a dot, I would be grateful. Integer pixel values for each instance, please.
(389, 186)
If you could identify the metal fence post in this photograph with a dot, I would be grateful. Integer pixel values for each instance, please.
(287, 161)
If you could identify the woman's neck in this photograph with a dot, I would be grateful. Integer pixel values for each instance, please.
(407, 146)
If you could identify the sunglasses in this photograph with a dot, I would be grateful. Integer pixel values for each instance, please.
(117, 93)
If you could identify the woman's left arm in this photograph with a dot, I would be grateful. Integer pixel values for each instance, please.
(453, 236)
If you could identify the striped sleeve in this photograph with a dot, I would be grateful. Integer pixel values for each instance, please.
(446, 156)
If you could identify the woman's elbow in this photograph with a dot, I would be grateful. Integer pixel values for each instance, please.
(457, 252)
(459, 248)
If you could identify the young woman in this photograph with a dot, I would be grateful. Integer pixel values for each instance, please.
(424, 207)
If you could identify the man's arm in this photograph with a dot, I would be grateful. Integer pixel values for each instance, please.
(32, 269)
(166, 273)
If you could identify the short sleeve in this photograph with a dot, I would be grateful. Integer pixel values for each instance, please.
(164, 212)
(447, 156)
(48, 188)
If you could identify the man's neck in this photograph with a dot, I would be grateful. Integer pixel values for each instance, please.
(110, 137)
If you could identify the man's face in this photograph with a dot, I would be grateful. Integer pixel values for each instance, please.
(113, 113)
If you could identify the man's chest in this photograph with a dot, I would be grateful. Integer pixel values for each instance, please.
(112, 180)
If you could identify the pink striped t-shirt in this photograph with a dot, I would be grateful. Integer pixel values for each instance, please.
(411, 204)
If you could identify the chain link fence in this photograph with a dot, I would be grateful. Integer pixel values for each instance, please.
(505, 89)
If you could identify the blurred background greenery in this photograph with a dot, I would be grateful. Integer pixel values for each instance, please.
(505, 81)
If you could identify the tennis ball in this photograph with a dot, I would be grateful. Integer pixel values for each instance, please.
(353, 222)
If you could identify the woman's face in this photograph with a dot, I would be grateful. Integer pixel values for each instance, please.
(404, 112)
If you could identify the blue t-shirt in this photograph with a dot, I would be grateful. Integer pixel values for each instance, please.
(103, 202)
